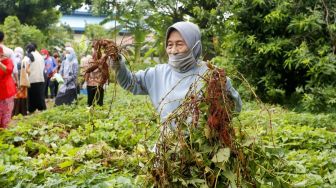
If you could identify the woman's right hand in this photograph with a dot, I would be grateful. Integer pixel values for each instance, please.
(116, 64)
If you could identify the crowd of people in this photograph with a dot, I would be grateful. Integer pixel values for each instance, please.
(28, 77)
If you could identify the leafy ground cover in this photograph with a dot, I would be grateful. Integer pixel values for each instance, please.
(72, 146)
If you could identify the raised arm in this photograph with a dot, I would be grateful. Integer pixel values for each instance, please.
(133, 82)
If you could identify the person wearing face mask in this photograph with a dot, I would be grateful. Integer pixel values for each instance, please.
(69, 69)
(7, 89)
(50, 70)
(36, 99)
(168, 84)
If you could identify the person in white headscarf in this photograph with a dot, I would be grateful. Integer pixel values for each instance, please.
(168, 84)
(21, 97)
(67, 92)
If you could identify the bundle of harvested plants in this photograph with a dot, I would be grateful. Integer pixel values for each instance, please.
(104, 50)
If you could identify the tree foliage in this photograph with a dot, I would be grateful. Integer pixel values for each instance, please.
(17, 34)
(132, 15)
(95, 31)
(57, 36)
(286, 48)
(40, 13)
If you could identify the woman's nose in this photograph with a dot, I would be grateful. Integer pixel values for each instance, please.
(174, 50)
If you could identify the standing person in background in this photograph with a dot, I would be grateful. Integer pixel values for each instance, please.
(93, 79)
(10, 54)
(7, 89)
(50, 69)
(36, 99)
(81, 78)
(68, 91)
(20, 101)
(63, 56)
(59, 64)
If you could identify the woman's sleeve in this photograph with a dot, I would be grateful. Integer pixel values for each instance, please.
(9, 68)
(234, 95)
(133, 82)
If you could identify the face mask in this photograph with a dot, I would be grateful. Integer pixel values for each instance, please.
(183, 62)
(44, 56)
(67, 56)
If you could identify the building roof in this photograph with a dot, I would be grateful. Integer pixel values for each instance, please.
(79, 19)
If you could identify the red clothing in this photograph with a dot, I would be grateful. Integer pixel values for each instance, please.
(7, 85)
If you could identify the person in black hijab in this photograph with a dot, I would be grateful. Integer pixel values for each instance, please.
(30, 48)
(36, 98)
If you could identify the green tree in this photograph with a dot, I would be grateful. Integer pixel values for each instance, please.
(95, 31)
(57, 36)
(32, 34)
(131, 14)
(17, 34)
(210, 15)
(40, 13)
(133, 18)
(12, 31)
(287, 49)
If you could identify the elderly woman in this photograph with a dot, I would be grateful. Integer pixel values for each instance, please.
(20, 101)
(168, 84)
(68, 92)
(7, 89)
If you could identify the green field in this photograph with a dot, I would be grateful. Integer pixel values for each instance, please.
(72, 146)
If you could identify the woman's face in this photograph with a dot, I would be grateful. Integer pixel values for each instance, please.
(176, 44)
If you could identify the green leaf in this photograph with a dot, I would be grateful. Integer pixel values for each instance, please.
(18, 139)
(231, 177)
(123, 180)
(222, 155)
(196, 182)
(66, 164)
(332, 177)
